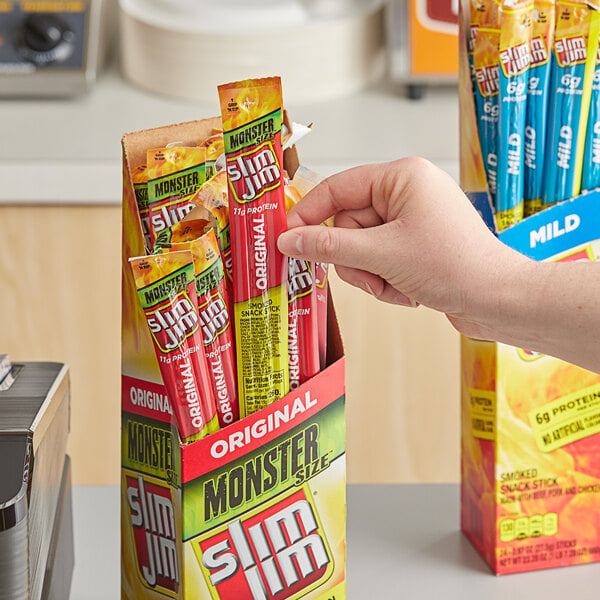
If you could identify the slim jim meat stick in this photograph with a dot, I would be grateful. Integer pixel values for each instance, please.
(514, 53)
(174, 175)
(303, 181)
(569, 58)
(212, 196)
(213, 311)
(139, 176)
(542, 39)
(303, 312)
(303, 332)
(486, 73)
(590, 178)
(167, 292)
(214, 149)
(252, 116)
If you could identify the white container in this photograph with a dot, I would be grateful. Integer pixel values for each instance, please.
(186, 49)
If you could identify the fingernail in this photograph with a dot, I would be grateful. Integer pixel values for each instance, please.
(404, 300)
(365, 286)
(290, 242)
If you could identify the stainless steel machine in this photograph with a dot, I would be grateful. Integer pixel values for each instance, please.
(53, 48)
(36, 527)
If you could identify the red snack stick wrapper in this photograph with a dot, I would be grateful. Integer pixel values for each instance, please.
(303, 181)
(175, 174)
(320, 275)
(252, 117)
(167, 293)
(212, 196)
(303, 331)
(213, 311)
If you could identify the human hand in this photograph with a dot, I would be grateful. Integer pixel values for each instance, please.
(406, 233)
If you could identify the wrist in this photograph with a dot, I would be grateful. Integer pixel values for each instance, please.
(499, 304)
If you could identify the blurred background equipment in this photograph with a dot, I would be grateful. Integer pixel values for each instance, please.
(185, 48)
(53, 48)
(36, 528)
(422, 40)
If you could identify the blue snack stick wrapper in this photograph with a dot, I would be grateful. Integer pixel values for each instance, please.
(514, 58)
(536, 117)
(590, 178)
(568, 69)
(481, 14)
(485, 62)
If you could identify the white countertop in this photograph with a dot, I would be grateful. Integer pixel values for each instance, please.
(403, 542)
(68, 150)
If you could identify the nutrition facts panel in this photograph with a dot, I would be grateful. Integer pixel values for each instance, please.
(403, 542)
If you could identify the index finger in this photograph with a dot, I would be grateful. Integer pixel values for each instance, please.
(347, 190)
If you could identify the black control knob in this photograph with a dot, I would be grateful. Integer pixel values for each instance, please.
(44, 39)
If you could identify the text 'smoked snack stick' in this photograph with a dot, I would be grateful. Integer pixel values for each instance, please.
(167, 293)
(486, 67)
(542, 38)
(213, 311)
(174, 175)
(252, 117)
(565, 106)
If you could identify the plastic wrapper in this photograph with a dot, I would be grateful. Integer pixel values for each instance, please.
(303, 181)
(486, 69)
(514, 54)
(214, 146)
(139, 176)
(303, 313)
(212, 197)
(567, 107)
(213, 311)
(252, 118)
(590, 176)
(480, 15)
(536, 120)
(174, 175)
(167, 293)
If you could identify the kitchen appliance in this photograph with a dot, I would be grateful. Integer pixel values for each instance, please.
(36, 527)
(422, 41)
(185, 48)
(52, 48)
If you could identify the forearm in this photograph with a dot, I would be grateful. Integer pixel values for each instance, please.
(407, 234)
(546, 307)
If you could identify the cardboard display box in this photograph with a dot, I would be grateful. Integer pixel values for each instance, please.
(255, 511)
(530, 476)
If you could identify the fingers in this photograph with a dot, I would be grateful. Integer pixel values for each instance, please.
(375, 286)
(346, 247)
(358, 219)
(349, 190)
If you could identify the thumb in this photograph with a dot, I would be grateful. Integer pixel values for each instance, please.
(336, 245)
